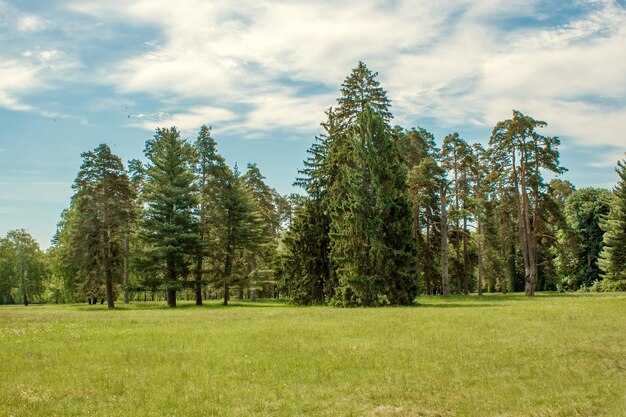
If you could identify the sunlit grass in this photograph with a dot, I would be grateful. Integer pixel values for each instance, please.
(496, 356)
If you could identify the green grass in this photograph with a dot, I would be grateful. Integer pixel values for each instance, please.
(551, 355)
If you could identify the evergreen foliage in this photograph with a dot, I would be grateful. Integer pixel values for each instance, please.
(169, 228)
(523, 154)
(103, 203)
(613, 256)
(371, 228)
(420, 154)
(351, 242)
(242, 225)
(386, 215)
(210, 170)
(360, 90)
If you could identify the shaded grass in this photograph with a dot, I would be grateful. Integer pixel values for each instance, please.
(551, 355)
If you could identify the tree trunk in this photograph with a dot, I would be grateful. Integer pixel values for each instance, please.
(465, 259)
(108, 273)
(109, 287)
(227, 271)
(457, 261)
(427, 269)
(171, 298)
(126, 247)
(22, 283)
(457, 241)
(480, 259)
(445, 279)
(170, 284)
(198, 283)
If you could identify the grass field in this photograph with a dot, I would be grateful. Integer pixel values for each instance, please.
(552, 355)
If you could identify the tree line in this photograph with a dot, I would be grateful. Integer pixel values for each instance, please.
(386, 215)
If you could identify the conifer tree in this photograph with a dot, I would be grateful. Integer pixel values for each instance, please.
(136, 173)
(258, 262)
(359, 90)
(169, 227)
(103, 201)
(420, 154)
(64, 264)
(523, 154)
(210, 170)
(371, 227)
(340, 246)
(309, 276)
(242, 224)
(457, 157)
(613, 256)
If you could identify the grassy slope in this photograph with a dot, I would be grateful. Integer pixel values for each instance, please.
(498, 356)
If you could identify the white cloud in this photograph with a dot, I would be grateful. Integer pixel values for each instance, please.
(268, 65)
(188, 122)
(16, 78)
(30, 23)
(608, 160)
(447, 60)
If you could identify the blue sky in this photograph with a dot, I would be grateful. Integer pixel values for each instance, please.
(74, 74)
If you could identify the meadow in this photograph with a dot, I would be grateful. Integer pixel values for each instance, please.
(551, 355)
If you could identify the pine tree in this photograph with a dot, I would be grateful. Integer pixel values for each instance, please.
(612, 260)
(103, 201)
(420, 154)
(210, 170)
(242, 224)
(259, 275)
(457, 157)
(169, 228)
(523, 154)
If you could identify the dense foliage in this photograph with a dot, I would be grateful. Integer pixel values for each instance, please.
(386, 215)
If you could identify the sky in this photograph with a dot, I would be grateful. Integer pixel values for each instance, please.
(75, 73)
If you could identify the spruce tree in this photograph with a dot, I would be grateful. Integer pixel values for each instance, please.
(612, 260)
(371, 228)
(359, 90)
(338, 247)
(169, 228)
(309, 278)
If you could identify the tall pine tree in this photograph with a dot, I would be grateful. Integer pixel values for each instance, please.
(210, 170)
(103, 202)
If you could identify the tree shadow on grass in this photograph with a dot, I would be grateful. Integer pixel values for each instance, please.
(457, 305)
(182, 305)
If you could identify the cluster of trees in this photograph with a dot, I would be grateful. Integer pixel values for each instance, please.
(387, 215)
(182, 222)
